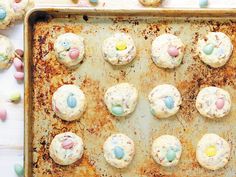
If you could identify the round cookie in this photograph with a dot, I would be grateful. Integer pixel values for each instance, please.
(213, 152)
(121, 99)
(119, 49)
(69, 102)
(215, 49)
(69, 49)
(213, 102)
(6, 14)
(66, 148)
(150, 2)
(165, 101)
(20, 7)
(119, 150)
(7, 52)
(166, 150)
(167, 51)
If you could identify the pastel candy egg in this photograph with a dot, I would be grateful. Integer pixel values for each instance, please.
(203, 3)
(65, 44)
(117, 110)
(15, 97)
(67, 144)
(220, 103)
(3, 14)
(19, 76)
(19, 52)
(171, 155)
(121, 45)
(169, 102)
(3, 114)
(208, 49)
(119, 152)
(74, 53)
(93, 1)
(71, 101)
(18, 64)
(173, 51)
(211, 151)
(19, 170)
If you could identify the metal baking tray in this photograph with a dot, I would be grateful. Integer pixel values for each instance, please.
(44, 75)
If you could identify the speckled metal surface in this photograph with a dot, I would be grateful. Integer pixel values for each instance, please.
(44, 75)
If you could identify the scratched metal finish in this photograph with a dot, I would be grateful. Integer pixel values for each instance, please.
(94, 76)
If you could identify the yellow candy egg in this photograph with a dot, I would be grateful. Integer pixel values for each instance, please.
(121, 45)
(211, 151)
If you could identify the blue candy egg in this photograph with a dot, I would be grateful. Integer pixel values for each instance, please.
(117, 110)
(208, 49)
(65, 44)
(93, 1)
(171, 155)
(119, 152)
(203, 3)
(169, 102)
(3, 14)
(71, 101)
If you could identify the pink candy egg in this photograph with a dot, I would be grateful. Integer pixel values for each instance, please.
(20, 53)
(74, 53)
(67, 144)
(173, 51)
(3, 114)
(19, 76)
(18, 64)
(220, 103)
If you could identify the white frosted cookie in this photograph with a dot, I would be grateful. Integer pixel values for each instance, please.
(119, 49)
(7, 52)
(66, 148)
(6, 14)
(166, 150)
(215, 49)
(69, 49)
(20, 7)
(213, 152)
(69, 102)
(119, 150)
(167, 51)
(165, 101)
(213, 102)
(121, 99)
(150, 2)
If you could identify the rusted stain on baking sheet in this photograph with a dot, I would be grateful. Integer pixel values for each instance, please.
(94, 76)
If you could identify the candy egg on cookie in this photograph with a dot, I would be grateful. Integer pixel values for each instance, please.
(69, 49)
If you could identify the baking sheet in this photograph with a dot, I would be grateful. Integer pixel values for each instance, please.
(44, 75)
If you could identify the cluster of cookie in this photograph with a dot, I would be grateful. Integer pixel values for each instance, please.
(69, 101)
(13, 10)
(213, 152)
(167, 50)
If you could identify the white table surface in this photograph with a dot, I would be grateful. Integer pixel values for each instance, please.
(11, 131)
